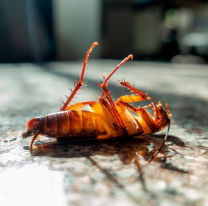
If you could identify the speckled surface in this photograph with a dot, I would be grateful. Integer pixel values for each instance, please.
(104, 173)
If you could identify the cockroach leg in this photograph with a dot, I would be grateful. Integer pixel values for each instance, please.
(106, 92)
(115, 111)
(118, 66)
(80, 82)
(143, 95)
(134, 109)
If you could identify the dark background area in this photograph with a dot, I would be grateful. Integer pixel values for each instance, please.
(167, 31)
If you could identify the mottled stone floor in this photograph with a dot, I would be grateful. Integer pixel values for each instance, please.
(104, 173)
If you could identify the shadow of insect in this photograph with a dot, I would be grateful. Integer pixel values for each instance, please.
(125, 149)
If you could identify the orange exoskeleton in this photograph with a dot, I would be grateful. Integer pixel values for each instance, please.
(107, 119)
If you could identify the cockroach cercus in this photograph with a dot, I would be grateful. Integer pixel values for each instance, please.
(106, 119)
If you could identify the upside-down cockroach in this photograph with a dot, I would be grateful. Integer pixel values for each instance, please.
(107, 119)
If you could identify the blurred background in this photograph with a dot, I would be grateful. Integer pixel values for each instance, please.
(62, 30)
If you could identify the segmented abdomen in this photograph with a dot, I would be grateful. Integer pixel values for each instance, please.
(71, 123)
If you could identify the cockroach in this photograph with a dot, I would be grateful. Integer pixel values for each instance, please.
(106, 119)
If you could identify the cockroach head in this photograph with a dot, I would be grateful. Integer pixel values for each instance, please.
(33, 126)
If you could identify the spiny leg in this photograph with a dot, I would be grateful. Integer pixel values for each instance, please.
(118, 66)
(134, 109)
(107, 93)
(143, 95)
(80, 82)
(131, 98)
